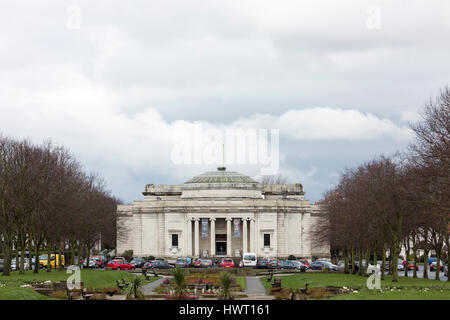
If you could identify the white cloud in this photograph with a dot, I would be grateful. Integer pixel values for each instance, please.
(114, 90)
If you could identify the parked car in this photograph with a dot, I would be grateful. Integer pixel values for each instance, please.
(120, 265)
(196, 263)
(157, 264)
(2, 264)
(299, 266)
(274, 264)
(305, 262)
(249, 260)
(320, 265)
(263, 264)
(433, 266)
(16, 266)
(446, 270)
(54, 260)
(227, 263)
(120, 258)
(96, 261)
(138, 262)
(411, 266)
(206, 263)
(431, 260)
(182, 263)
(286, 264)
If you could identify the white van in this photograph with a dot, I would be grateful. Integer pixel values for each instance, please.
(248, 260)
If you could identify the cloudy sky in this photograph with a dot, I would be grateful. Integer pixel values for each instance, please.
(113, 80)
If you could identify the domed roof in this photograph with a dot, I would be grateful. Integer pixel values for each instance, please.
(221, 176)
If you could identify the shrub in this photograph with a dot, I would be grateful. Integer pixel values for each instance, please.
(134, 289)
(179, 278)
(292, 257)
(128, 254)
(226, 278)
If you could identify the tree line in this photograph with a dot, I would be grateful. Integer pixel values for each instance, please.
(48, 203)
(395, 202)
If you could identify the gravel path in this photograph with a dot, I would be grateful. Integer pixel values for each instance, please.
(148, 288)
(255, 287)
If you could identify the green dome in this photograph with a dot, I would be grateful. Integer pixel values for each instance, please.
(221, 176)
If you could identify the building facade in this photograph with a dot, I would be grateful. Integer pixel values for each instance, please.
(219, 213)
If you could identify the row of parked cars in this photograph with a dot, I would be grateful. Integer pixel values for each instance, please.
(401, 265)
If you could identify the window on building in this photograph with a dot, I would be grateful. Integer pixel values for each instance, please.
(174, 240)
(266, 239)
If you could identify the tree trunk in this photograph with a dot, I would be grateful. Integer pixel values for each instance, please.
(22, 259)
(360, 268)
(17, 255)
(415, 256)
(30, 254)
(36, 258)
(383, 261)
(7, 259)
(346, 260)
(60, 257)
(447, 241)
(407, 248)
(425, 262)
(438, 263)
(353, 260)
(87, 255)
(367, 261)
(394, 262)
(49, 261)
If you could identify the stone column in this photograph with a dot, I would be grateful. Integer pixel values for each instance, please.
(252, 235)
(189, 238)
(244, 235)
(197, 239)
(213, 237)
(228, 237)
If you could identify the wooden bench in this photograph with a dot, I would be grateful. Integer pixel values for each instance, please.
(123, 284)
(276, 283)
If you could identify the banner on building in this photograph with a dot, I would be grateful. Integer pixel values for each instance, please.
(204, 227)
(237, 228)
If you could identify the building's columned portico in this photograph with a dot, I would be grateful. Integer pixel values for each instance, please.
(219, 213)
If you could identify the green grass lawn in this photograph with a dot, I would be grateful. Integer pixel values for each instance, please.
(242, 281)
(405, 288)
(17, 293)
(10, 286)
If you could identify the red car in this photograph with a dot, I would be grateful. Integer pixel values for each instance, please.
(227, 263)
(196, 263)
(120, 265)
(411, 266)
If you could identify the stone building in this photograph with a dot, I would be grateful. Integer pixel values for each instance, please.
(219, 213)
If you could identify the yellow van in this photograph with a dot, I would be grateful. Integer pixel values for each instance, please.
(43, 260)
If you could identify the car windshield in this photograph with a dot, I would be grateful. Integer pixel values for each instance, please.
(227, 260)
(181, 260)
(249, 257)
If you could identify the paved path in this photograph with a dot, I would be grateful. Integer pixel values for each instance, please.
(255, 287)
(148, 288)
